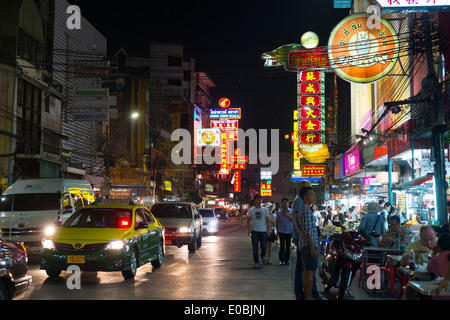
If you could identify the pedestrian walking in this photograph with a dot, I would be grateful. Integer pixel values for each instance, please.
(284, 231)
(308, 241)
(258, 227)
(298, 279)
(272, 235)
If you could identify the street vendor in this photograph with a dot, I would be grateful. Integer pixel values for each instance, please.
(423, 247)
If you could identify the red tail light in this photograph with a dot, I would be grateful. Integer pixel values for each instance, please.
(124, 223)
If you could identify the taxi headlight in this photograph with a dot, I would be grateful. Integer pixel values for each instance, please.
(49, 230)
(48, 244)
(115, 245)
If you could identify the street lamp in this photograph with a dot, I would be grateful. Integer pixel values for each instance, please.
(135, 115)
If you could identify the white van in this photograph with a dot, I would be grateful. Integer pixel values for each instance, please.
(30, 209)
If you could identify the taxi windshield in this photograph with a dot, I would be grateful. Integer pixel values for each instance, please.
(99, 218)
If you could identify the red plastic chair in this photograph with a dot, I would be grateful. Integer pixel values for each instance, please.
(392, 271)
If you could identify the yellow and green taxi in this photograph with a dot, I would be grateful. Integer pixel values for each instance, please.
(105, 237)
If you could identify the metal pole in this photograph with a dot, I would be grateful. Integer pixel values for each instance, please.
(12, 126)
(390, 180)
(438, 128)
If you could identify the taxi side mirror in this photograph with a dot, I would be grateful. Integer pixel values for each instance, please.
(142, 225)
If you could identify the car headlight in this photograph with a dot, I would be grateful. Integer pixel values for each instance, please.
(185, 229)
(115, 245)
(48, 244)
(213, 224)
(49, 230)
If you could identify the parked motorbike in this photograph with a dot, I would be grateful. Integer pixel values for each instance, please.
(342, 262)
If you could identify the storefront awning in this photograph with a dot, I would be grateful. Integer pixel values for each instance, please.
(415, 182)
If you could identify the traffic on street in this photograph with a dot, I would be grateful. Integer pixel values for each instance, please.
(224, 150)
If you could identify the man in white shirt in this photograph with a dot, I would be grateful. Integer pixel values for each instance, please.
(258, 226)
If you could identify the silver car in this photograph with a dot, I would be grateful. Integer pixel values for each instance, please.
(182, 223)
(210, 221)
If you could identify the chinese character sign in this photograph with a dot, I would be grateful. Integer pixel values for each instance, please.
(311, 116)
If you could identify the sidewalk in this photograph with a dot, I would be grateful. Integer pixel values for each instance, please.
(353, 293)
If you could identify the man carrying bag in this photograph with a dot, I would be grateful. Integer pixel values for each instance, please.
(371, 225)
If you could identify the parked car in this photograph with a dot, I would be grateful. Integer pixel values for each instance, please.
(210, 221)
(182, 222)
(13, 269)
(107, 237)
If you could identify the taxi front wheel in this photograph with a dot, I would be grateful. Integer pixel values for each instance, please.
(131, 273)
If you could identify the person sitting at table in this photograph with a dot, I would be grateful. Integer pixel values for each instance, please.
(444, 283)
(395, 232)
(439, 263)
(423, 247)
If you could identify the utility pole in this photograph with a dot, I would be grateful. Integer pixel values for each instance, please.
(432, 83)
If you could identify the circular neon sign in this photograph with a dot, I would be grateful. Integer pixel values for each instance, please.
(360, 54)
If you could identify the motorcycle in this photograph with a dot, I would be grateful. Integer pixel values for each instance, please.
(342, 261)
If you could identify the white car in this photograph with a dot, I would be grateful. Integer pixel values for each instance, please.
(210, 221)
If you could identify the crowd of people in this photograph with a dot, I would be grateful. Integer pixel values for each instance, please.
(302, 222)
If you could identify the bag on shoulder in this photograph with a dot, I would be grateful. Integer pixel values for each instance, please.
(374, 233)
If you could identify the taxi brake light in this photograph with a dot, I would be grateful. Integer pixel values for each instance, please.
(124, 223)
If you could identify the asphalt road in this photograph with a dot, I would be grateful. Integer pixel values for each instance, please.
(222, 269)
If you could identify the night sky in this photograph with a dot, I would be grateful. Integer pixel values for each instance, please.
(227, 38)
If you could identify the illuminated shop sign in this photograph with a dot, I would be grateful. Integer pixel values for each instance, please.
(310, 113)
(311, 87)
(208, 137)
(360, 54)
(412, 4)
(229, 135)
(237, 181)
(311, 137)
(314, 76)
(313, 170)
(266, 188)
(316, 58)
(311, 100)
(297, 176)
(224, 124)
(230, 113)
(311, 125)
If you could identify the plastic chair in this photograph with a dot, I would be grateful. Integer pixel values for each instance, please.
(392, 271)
